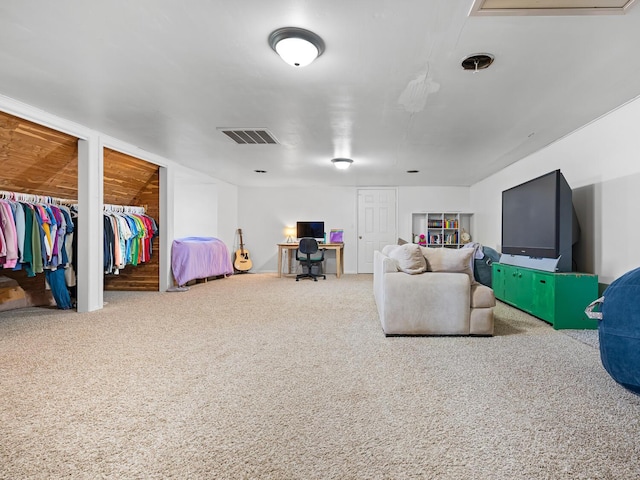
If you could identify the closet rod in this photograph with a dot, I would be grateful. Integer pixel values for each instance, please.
(124, 208)
(32, 198)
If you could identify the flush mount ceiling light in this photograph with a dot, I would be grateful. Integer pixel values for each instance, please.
(477, 61)
(342, 163)
(296, 46)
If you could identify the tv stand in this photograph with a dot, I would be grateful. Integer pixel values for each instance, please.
(557, 298)
(537, 263)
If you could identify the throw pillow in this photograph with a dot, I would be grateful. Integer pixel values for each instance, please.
(409, 258)
(449, 260)
(387, 249)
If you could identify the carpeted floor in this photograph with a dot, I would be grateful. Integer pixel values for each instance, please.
(590, 337)
(256, 377)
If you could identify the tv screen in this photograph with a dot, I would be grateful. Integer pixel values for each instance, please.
(537, 219)
(310, 229)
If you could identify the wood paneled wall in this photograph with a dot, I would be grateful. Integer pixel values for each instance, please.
(39, 160)
(36, 159)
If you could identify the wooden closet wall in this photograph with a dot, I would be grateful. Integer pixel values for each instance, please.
(39, 160)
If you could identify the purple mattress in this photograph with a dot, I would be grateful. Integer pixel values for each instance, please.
(199, 257)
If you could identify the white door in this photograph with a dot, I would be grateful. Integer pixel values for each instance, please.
(377, 225)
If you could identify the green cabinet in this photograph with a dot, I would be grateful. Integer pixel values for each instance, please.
(557, 298)
(497, 280)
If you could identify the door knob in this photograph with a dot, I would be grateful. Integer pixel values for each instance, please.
(360, 237)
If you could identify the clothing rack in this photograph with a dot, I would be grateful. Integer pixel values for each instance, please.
(124, 208)
(32, 198)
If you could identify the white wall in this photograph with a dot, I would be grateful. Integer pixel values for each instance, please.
(265, 212)
(194, 206)
(227, 207)
(204, 207)
(600, 163)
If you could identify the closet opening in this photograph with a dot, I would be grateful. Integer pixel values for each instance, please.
(40, 164)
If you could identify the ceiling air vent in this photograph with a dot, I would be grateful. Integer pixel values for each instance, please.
(249, 136)
(550, 7)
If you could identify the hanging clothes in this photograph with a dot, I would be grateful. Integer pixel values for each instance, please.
(36, 237)
(59, 290)
(128, 239)
(7, 223)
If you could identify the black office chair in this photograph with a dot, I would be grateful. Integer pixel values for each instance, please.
(308, 247)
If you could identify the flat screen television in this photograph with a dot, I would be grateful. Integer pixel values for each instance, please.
(310, 229)
(537, 219)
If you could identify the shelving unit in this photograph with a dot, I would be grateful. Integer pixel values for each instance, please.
(441, 229)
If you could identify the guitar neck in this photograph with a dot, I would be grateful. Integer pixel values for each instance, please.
(241, 242)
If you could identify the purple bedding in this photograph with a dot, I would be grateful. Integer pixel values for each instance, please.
(199, 257)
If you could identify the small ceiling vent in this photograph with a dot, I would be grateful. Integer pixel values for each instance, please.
(478, 61)
(250, 136)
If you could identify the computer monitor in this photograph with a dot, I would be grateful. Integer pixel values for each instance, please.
(310, 229)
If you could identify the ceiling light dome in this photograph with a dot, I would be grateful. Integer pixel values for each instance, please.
(342, 163)
(296, 46)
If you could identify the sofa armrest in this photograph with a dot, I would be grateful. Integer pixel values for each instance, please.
(381, 266)
(389, 265)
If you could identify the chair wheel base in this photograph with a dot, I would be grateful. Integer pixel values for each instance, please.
(308, 275)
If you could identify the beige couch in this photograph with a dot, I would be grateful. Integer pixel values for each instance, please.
(438, 297)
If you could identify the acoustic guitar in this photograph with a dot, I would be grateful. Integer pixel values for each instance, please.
(242, 263)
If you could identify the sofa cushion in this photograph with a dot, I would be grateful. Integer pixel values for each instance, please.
(409, 258)
(451, 260)
(482, 296)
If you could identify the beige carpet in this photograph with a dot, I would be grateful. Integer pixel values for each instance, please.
(256, 377)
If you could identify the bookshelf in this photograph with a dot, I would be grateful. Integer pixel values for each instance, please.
(440, 229)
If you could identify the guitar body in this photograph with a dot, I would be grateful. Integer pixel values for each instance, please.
(242, 262)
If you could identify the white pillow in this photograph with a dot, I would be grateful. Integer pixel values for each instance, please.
(449, 260)
(387, 249)
(409, 258)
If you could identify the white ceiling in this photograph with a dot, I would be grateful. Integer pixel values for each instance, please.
(388, 91)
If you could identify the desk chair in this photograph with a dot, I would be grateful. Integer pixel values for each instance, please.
(306, 248)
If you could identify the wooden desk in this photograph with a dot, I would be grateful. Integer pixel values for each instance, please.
(291, 247)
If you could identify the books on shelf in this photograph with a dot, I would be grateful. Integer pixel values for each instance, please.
(449, 223)
(438, 238)
(435, 239)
